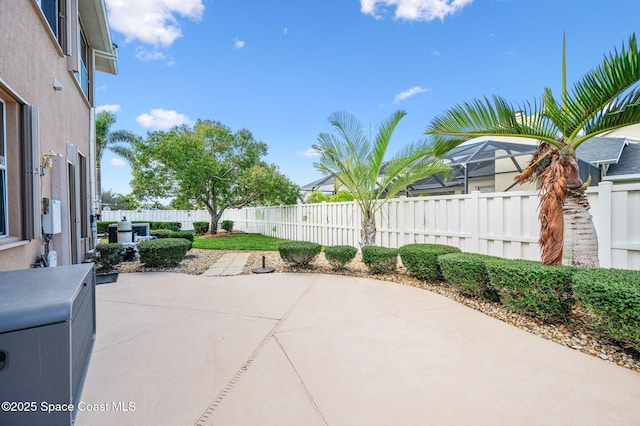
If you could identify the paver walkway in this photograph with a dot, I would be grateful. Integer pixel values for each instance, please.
(229, 264)
(313, 349)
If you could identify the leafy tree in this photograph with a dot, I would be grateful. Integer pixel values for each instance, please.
(119, 141)
(118, 201)
(207, 164)
(605, 98)
(358, 163)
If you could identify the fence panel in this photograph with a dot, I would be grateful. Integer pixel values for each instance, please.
(500, 224)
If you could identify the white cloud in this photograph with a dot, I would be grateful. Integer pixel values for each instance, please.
(413, 10)
(408, 93)
(107, 107)
(153, 22)
(117, 162)
(150, 55)
(238, 44)
(161, 119)
(309, 153)
(286, 31)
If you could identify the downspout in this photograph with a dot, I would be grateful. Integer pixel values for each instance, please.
(92, 176)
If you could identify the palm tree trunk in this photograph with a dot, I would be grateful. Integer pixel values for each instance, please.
(368, 232)
(99, 186)
(580, 238)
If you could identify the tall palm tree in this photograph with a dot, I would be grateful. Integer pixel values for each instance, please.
(605, 98)
(120, 142)
(358, 163)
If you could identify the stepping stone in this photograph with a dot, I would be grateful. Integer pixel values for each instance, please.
(229, 264)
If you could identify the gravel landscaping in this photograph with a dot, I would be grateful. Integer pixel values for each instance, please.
(575, 332)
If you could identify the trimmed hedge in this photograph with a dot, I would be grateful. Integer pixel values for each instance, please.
(612, 296)
(299, 253)
(109, 255)
(421, 260)
(160, 233)
(201, 227)
(528, 287)
(163, 252)
(187, 235)
(103, 227)
(339, 256)
(380, 260)
(227, 225)
(468, 273)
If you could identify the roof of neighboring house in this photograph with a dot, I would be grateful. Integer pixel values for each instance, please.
(601, 150)
(96, 26)
(629, 163)
(477, 156)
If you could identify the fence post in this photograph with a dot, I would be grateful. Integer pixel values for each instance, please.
(604, 223)
(298, 227)
(401, 223)
(473, 218)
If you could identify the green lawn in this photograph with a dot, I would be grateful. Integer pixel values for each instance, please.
(238, 242)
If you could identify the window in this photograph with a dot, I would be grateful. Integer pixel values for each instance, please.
(19, 166)
(54, 13)
(3, 174)
(82, 75)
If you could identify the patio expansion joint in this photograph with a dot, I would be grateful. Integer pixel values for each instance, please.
(304, 386)
(247, 364)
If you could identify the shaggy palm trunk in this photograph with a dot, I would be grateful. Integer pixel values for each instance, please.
(580, 238)
(99, 185)
(368, 232)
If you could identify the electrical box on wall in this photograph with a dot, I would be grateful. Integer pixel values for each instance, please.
(51, 219)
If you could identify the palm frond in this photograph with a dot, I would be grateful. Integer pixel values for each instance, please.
(489, 117)
(596, 90)
(622, 112)
(383, 138)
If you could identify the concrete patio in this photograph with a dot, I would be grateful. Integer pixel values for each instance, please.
(310, 349)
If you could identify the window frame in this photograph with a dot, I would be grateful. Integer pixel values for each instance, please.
(4, 190)
(60, 32)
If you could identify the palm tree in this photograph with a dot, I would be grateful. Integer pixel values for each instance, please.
(120, 142)
(605, 98)
(357, 163)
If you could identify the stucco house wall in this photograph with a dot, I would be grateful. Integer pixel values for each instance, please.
(42, 95)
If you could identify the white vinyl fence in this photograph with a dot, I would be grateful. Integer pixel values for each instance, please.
(185, 217)
(500, 224)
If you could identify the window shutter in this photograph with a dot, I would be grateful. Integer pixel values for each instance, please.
(72, 25)
(31, 187)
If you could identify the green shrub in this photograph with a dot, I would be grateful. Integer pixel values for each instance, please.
(421, 260)
(612, 296)
(380, 260)
(227, 225)
(341, 197)
(160, 233)
(201, 227)
(109, 255)
(103, 227)
(528, 287)
(163, 252)
(299, 253)
(171, 226)
(338, 256)
(187, 235)
(468, 273)
(317, 196)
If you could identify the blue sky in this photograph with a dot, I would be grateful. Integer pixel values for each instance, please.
(279, 68)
